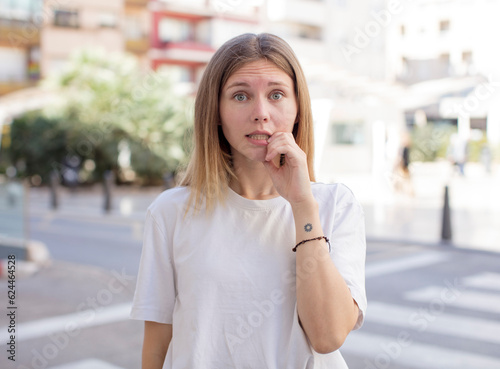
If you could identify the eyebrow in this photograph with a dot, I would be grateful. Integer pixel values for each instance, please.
(246, 84)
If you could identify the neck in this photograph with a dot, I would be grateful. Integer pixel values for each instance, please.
(253, 182)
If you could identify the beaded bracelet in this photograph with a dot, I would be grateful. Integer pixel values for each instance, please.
(314, 239)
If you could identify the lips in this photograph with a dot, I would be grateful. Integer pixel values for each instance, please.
(259, 137)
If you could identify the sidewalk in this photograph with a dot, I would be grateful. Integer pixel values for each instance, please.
(69, 313)
(127, 203)
(417, 218)
(390, 215)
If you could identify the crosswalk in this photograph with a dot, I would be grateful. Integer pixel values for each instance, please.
(451, 323)
(427, 327)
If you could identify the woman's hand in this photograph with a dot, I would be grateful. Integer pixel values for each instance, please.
(291, 180)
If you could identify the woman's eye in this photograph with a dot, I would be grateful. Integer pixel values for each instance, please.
(276, 95)
(240, 97)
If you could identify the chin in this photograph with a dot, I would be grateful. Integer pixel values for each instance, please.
(259, 156)
(255, 158)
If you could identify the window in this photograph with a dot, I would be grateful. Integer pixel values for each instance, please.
(467, 57)
(20, 9)
(309, 32)
(405, 67)
(173, 30)
(348, 133)
(444, 26)
(108, 20)
(177, 73)
(444, 58)
(478, 123)
(66, 18)
(133, 28)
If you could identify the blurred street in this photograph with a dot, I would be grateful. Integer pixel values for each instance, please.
(431, 305)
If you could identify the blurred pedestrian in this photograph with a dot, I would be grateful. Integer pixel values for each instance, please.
(486, 157)
(219, 285)
(402, 180)
(457, 152)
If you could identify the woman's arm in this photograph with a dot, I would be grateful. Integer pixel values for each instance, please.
(325, 305)
(157, 337)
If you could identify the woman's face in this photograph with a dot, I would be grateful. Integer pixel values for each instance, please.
(256, 101)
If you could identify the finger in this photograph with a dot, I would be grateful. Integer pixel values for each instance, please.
(281, 136)
(276, 149)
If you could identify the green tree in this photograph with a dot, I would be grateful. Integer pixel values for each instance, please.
(37, 144)
(430, 142)
(107, 99)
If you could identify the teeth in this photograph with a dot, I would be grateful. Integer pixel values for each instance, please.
(259, 137)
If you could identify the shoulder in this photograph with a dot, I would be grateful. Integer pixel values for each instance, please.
(170, 202)
(334, 194)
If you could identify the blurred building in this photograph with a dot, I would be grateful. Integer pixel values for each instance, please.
(180, 37)
(72, 25)
(136, 28)
(434, 39)
(19, 44)
(328, 30)
(372, 65)
(341, 45)
(444, 49)
(185, 34)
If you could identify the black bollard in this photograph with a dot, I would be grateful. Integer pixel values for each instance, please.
(446, 234)
(54, 184)
(108, 183)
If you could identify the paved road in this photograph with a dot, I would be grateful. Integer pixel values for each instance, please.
(104, 242)
(429, 307)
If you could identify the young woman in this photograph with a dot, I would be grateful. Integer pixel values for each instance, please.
(249, 263)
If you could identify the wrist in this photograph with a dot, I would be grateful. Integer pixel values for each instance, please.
(305, 206)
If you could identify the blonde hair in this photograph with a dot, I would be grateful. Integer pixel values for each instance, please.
(210, 169)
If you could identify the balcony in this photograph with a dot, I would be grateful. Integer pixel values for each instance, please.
(8, 87)
(137, 3)
(137, 46)
(300, 12)
(187, 51)
(16, 33)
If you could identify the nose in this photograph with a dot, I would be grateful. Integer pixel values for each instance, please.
(260, 111)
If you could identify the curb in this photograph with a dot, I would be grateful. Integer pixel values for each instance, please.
(37, 257)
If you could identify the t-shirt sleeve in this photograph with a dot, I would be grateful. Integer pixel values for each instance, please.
(348, 247)
(155, 290)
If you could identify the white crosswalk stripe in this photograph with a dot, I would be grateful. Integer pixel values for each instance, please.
(384, 350)
(490, 281)
(71, 322)
(87, 364)
(432, 310)
(425, 319)
(474, 300)
(405, 263)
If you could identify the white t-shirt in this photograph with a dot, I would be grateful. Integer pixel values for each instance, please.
(227, 281)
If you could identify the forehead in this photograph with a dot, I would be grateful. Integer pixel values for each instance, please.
(260, 70)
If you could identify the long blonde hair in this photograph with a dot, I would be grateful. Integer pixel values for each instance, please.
(210, 169)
